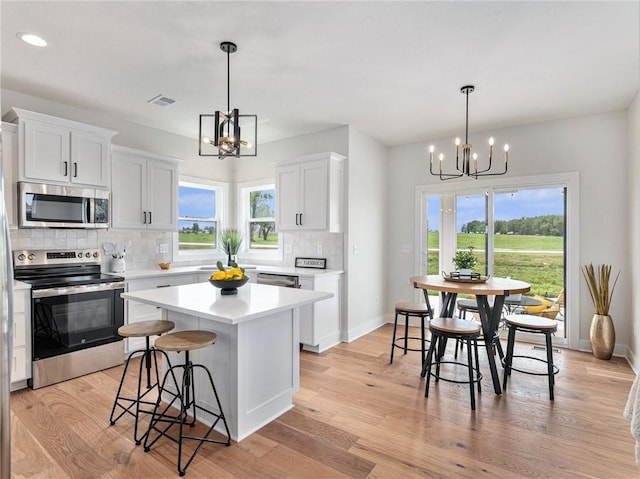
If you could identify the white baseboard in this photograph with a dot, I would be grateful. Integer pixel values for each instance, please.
(366, 328)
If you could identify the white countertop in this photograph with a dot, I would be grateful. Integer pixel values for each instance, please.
(203, 300)
(154, 273)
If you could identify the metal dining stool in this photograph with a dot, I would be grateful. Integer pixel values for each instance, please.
(142, 329)
(459, 329)
(410, 310)
(530, 324)
(185, 341)
(470, 305)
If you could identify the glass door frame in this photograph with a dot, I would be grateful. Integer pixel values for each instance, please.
(570, 181)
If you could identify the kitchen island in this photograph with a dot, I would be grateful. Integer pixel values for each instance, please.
(255, 360)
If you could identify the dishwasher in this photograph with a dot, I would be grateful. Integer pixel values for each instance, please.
(284, 280)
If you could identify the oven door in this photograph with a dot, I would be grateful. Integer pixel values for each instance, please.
(68, 319)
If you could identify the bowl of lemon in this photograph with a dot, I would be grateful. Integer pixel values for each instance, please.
(228, 280)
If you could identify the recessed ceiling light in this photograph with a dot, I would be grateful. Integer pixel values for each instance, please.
(161, 100)
(32, 39)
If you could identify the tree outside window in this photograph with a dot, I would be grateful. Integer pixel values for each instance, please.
(262, 224)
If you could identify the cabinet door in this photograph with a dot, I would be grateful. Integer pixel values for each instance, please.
(46, 152)
(129, 192)
(314, 195)
(90, 159)
(162, 194)
(9, 169)
(288, 198)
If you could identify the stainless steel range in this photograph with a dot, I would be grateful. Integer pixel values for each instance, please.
(75, 313)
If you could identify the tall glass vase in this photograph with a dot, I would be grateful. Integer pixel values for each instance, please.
(603, 336)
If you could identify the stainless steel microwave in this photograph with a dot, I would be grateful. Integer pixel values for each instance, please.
(56, 206)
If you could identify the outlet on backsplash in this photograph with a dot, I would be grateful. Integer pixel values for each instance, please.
(319, 249)
(164, 248)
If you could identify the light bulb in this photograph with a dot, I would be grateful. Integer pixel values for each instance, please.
(207, 140)
(475, 156)
(441, 157)
(432, 149)
(457, 141)
(506, 147)
(491, 141)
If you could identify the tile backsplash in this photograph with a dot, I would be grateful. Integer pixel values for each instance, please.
(143, 253)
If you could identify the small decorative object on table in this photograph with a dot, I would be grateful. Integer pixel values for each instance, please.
(228, 280)
(456, 277)
(464, 262)
(164, 265)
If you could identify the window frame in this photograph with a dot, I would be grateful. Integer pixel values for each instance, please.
(569, 180)
(243, 215)
(222, 212)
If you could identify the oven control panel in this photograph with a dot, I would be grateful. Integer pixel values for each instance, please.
(61, 257)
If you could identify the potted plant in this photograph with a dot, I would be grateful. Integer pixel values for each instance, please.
(231, 240)
(465, 260)
(602, 332)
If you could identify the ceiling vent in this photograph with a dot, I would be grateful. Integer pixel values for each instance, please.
(162, 100)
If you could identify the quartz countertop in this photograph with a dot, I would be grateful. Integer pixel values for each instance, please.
(209, 268)
(203, 300)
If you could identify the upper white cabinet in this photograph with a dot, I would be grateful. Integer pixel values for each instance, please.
(310, 192)
(144, 190)
(9, 164)
(54, 150)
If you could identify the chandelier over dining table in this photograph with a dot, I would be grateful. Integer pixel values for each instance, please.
(466, 161)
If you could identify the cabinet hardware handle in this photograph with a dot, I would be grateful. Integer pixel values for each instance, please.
(75, 170)
(66, 168)
(145, 217)
(150, 217)
(297, 215)
(300, 219)
(163, 286)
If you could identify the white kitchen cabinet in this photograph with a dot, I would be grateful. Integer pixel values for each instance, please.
(9, 170)
(135, 312)
(21, 354)
(55, 150)
(320, 322)
(144, 190)
(310, 193)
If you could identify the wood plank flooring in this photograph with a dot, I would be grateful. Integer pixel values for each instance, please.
(357, 416)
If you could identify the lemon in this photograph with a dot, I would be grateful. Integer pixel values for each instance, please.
(218, 275)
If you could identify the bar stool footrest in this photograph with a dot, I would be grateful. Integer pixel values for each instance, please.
(477, 374)
(556, 370)
(401, 346)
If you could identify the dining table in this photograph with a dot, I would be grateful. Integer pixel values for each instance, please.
(482, 288)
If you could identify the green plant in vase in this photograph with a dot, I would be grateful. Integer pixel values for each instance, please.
(465, 260)
(231, 240)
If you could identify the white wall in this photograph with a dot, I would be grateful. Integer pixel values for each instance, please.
(595, 146)
(633, 220)
(367, 273)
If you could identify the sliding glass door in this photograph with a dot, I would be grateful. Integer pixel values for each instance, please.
(514, 232)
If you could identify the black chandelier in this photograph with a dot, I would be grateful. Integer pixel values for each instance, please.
(468, 163)
(225, 126)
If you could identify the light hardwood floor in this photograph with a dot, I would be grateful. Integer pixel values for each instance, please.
(357, 416)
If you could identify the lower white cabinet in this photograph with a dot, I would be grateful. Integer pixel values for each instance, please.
(320, 322)
(21, 354)
(135, 312)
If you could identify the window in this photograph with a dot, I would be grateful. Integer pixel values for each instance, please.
(257, 215)
(199, 216)
(519, 227)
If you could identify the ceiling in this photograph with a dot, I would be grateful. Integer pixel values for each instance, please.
(392, 70)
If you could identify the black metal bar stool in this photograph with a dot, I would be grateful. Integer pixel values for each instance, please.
(410, 310)
(138, 330)
(530, 324)
(470, 305)
(459, 329)
(185, 341)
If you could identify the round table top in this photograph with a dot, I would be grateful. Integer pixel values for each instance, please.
(493, 286)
